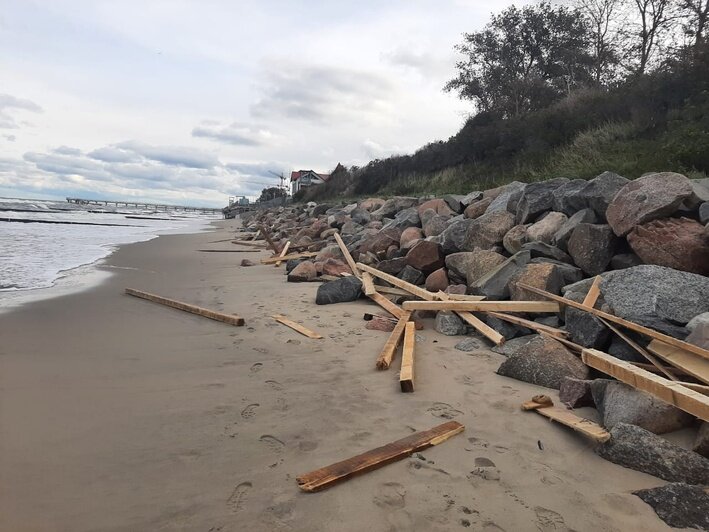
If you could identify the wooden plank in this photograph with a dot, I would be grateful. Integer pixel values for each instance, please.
(484, 306)
(297, 327)
(628, 340)
(620, 321)
(670, 392)
(348, 257)
(584, 426)
(386, 304)
(305, 255)
(249, 244)
(390, 290)
(653, 369)
(376, 458)
(282, 254)
(406, 375)
(593, 293)
(412, 289)
(389, 349)
(267, 236)
(704, 390)
(540, 327)
(231, 319)
(225, 250)
(687, 362)
(482, 327)
(368, 283)
(461, 297)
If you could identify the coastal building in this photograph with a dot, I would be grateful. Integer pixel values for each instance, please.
(306, 178)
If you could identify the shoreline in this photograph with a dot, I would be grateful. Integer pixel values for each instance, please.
(120, 414)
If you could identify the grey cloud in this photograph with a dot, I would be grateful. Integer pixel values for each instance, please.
(235, 133)
(320, 94)
(111, 154)
(10, 138)
(66, 150)
(9, 104)
(425, 63)
(374, 150)
(172, 155)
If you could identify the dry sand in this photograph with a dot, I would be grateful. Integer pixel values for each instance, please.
(120, 414)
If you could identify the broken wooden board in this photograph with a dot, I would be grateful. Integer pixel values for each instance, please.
(231, 319)
(282, 254)
(305, 255)
(411, 288)
(248, 244)
(368, 284)
(538, 401)
(484, 306)
(376, 458)
(539, 327)
(267, 237)
(297, 327)
(628, 340)
(670, 392)
(566, 417)
(689, 363)
(389, 349)
(593, 293)
(346, 254)
(406, 375)
(386, 304)
(621, 321)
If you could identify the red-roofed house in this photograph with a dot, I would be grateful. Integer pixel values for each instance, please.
(306, 178)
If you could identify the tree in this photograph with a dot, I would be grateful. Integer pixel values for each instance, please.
(523, 60)
(272, 193)
(604, 18)
(652, 23)
(695, 16)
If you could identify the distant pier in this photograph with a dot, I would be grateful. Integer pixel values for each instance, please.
(142, 204)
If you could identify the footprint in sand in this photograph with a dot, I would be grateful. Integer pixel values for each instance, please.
(261, 350)
(307, 446)
(272, 443)
(548, 520)
(485, 468)
(281, 404)
(444, 410)
(249, 411)
(275, 385)
(390, 495)
(255, 368)
(236, 500)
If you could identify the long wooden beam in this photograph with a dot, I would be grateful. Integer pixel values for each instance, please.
(670, 392)
(346, 254)
(272, 260)
(368, 284)
(483, 306)
(225, 250)
(282, 254)
(406, 375)
(685, 361)
(376, 458)
(482, 327)
(593, 293)
(539, 327)
(267, 237)
(411, 288)
(389, 349)
(297, 327)
(620, 321)
(231, 319)
(386, 304)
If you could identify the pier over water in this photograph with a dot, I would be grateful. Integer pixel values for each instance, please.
(142, 204)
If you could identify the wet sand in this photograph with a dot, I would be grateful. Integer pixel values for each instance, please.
(120, 414)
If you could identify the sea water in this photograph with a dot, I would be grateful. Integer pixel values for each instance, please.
(46, 244)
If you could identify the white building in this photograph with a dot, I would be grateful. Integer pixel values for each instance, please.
(306, 178)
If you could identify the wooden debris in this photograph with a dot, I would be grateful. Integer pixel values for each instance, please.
(297, 327)
(225, 250)
(538, 401)
(670, 392)
(346, 254)
(483, 306)
(620, 321)
(411, 288)
(282, 254)
(567, 417)
(389, 349)
(482, 327)
(406, 375)
(249, 244)
(593, 293)
(539, 327)
(368, 284)
(391, 290)
(459, 297)
(376, 458)
(267, 238)
(628, 340)
(231, 319)
(689, 363)
(304, 255)
(386, 304)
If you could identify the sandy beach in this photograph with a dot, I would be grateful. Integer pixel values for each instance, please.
(117, 414)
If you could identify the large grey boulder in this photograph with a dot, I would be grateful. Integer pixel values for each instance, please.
(544, 362)
(698, 328)
(586, 329)
(514, 239)
(494, 284)
(655, 291)
(564, 197)
(449, 323)
(405, 218)
(346, 289)
(575, 393)
(599, 192)
(507, 199)
(537, 198)
(569, 273)
(619, 403)
(679, 505)
(452, 239)
(542, 250)
(488, 230)
(545, 229)
(514, 346)
(704, 213)
(561, 237)
(639, 449)
(360, 216)
(392, 206)
(647, 198)
(592, 246)
(505, 328)
(701, 443)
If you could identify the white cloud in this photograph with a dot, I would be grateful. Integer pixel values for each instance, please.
(234, 133)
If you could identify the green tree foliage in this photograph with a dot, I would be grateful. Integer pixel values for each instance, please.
(524, 59)
(271, 193)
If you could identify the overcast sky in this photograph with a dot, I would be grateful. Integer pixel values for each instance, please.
(194, 101)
